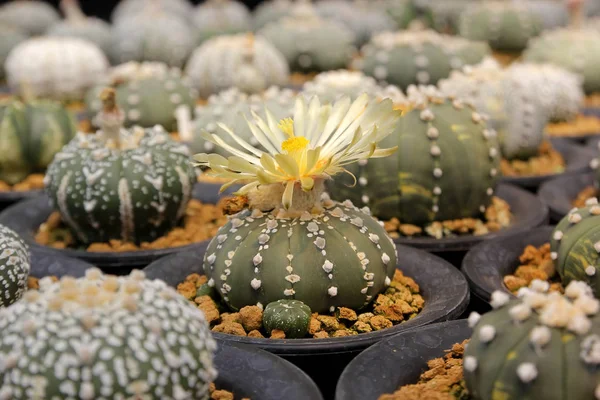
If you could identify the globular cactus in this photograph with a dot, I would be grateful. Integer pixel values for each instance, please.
(232, 107)
(446, 166)
(15, 266)
(105, 337)
(153, 35)
(403, 12)
(59, 68)
(30, 17)
(333, 85)
(77, 24)
(470, 52)
(513, 99)
(575, 50)
(11, 37)
(148, 93)
(290, 316)
(575, 246)
(220, 17)
(505, 25)
(270, 11)
(293, 242)
(445, 15)
(407, 58)
(361, 17)
(31, 133)
(243, 61)
(309, 42)
(543, 346)
(132, 185)
(552, 14)
(128, 8)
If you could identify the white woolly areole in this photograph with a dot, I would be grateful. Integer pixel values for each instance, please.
(470, 363)
(539, 285)
(527, 372)
(487, 333)
(473, 319)
(520, 312)
(499, 299)
(540, 336)
(590, 349)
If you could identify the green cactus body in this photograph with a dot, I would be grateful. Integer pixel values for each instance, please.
(403, 12)
(11, 37)
(446, 14)
(128, 8)
(14, 266)
(541, 347)
(332, 85)
(148, 93)
(30, 17)
(342, 257)
(153, 35)
(220, 17)
(575, 246)
(469, 51)
(136, 193)
(30, 135)
(231, 107)
(515, 101)
(289, 316)
(445, 167)
(506, 26)
(575, 50)
(270, 11)
(552, 14)
(309, 42)
(103, 337)
(361, 18)
(406, 58)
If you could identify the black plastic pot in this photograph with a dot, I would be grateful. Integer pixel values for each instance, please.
(45, 263)
(487, 263)
(593, 144)
(559, 193)
(444, 289)
(398, 361)
(577, 159)
(7, 199)
(591, 111)
(259, 375)
(528, 212)
(208, 192)
(27, 216)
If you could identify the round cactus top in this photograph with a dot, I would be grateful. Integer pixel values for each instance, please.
(70, 338)
(234, 96)
(135, 71)
(579, 38)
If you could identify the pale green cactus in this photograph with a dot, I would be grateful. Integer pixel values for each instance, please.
(128, 8)
(14, 267)
(270, 11)
(10, 38)
(220, 17)
(30, 17)
(290, 316)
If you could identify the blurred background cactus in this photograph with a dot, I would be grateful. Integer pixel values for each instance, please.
(11, 37)
(32, 18)
(270, 11)
(220, 17)
(15, 266)
(127, 8)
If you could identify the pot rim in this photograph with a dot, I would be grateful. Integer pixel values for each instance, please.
(558, 193)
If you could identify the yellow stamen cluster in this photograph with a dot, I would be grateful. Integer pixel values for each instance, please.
(286, 126)
(294, 144)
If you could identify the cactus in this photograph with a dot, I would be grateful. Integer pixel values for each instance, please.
(309, 42)
(10, 39)
(105, 337)
(470, 52)
(30, 17)
(543, 346)
(128, 8)
(30, 135)
(403, 12)
(148, 93)
(334, 254)
(361, 18)
(220, 17)
(445, 15)
(58, 68)
(575, 246)
(445, 169)
(246, 62)
(333, 85)
(575, 50)
(230, 107)
(270, 11)
(506, 26)
(514, 99)
(78, 25)
(289, 316)
(153, 35)
(14, 267)
(552, 14)
(406, 58)
(132, 185)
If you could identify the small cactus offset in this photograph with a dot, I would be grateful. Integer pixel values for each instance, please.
(543, 346)
(515, 100)
(333, 254)
(31, 133)
(14, 267)
(446, 167)
(309, 42)
(290, 316)
(575, 50)
(406, 58)
(32, 18)
(149, 94)
(332, 85)
(231, 107)
(105, 337)
(248, 63)
(575, 246)
(132, 185)
(505, 25)
(220, 17)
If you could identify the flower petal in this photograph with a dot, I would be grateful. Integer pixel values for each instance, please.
(288, 194)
